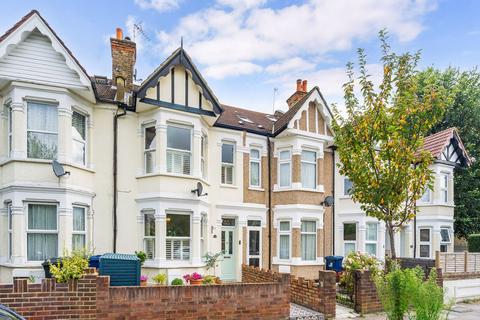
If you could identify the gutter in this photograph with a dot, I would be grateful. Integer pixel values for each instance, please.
(115, 170)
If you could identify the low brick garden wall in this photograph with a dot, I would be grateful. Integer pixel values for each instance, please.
(365, 297)
(319, 296)
(92, 298)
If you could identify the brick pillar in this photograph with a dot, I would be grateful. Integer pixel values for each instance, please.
(365, 293)
(327, 291)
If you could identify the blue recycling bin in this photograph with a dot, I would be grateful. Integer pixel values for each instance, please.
(334, 263)
(94, 262)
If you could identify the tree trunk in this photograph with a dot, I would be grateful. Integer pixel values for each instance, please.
(391, 236)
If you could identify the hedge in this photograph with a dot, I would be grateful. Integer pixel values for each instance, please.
(474, 243)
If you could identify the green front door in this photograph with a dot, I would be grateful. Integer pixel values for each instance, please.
(228, 249)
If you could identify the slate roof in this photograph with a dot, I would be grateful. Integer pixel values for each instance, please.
(244, 119)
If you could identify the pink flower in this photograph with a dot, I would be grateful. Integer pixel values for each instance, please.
(143, 278)
(196, 276)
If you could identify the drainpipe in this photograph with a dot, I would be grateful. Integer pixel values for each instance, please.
(333, 195)
(115, 169)
(269, 155)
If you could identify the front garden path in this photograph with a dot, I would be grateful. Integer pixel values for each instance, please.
(301, 313)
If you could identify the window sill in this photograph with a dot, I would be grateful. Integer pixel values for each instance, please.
(163, 264)
(256, 189)
(228, 186)
(43, 161)
(174, 175)
(297, 261)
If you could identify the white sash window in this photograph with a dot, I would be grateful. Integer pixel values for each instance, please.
(42, 232)
(149, 148)
(8, 110)
(309, 169)
(349, 238)
(285, 168)
(149, 233)
(178, 236)
(371, 238)
(255, 168)
(42, 131)
(79, 136)
(179, 149)
(308, 233)
(425, 244)
(79, 234)
(10, 230)
(284, 240)
(228, 163)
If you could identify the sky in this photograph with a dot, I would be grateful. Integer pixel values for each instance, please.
(252, 51)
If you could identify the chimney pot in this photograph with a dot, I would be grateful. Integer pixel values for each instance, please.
(119, 33)
(299, 84)
(304, 86)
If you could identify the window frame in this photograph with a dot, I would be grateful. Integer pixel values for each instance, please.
(84, 232)
(181, 239)
(354, 242)
(85, 142)
(203, 156)
(203, 234)
(10, 231)
(56, 133)
(147, 238)
(259, 229)
(180, 151)
(9, 112)
(150, 150)
(287, 233)
(285, 162)
(259, 162)
(39, 231)
(428, 192)
(345, 192)
(371, 242)
(226, 165)
(314, 163)
(444, 186)
(308, 233)
(425, 243)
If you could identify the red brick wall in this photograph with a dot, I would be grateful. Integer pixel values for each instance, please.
(92, 298)
(317, 296)
(76, 300)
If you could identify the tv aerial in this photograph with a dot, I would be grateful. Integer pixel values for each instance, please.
(199, 190)
(58, 169)
(328, 201)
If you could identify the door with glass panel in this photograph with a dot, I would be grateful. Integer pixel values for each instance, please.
(254, 243)
(228, 249)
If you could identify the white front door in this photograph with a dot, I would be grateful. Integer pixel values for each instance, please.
(229, 253)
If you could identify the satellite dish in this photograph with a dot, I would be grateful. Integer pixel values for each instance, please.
(58, 169)
(199, 190)
(328, 201)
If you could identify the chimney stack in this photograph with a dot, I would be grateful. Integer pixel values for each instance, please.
(124, 53)
(298, 94)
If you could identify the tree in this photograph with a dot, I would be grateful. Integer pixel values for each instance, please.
(464, 114)
(379, 141)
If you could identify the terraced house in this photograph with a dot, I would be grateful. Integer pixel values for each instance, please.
(162, 166)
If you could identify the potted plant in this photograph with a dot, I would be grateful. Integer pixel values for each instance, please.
(142, 256)
(211, 262)
(195, 279)
(209, 280)
(177, 282)
(160, 279)
(143, 281)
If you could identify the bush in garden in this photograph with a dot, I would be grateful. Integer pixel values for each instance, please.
(177, 282)
(72, 267)
(357, 261)
(142, 256)
(428, 298)
(474, 243)
(160, 278)
(395, 290)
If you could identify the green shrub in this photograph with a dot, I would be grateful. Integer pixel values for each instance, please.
(357, 261)
(428, 299)
(160, 278)
(474, 243)
(395, 290)
(72, 267)
(177, 282)
(142, 256)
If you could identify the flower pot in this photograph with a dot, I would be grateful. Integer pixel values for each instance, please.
(197, 282)
(143, 283)
(217, 280)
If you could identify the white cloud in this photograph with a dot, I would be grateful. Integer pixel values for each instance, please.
(219, 71)
(241, 32)
(293, 64)
(159, 5)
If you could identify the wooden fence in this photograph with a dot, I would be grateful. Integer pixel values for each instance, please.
(458, 262)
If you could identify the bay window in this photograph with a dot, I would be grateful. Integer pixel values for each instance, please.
(255, 168)
(309, 169)
(308, 233)
(179, 149)
(228, 152)
(284, 240)
(149, 233)
(285, 168)
(178, 236)
(349, 238)
(42, 131)
(149, 148)
(79, 136)
(42, 232)
(79, 234)
(371, 238)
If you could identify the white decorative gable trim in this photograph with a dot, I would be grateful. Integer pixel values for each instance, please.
(318, 100)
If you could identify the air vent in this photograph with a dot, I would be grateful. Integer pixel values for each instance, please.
(260, 126)
(101, 80)
(245, 119)
(241, 122)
